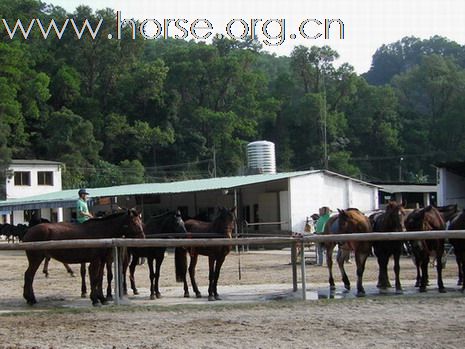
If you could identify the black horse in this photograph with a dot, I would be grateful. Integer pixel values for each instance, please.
(126, 223)
(390, 220)
(166, 225)
(221, 227)
(458, 223)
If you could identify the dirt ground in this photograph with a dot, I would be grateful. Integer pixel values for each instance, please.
(258, 311)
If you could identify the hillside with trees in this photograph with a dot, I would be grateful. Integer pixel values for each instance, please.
(129, 111)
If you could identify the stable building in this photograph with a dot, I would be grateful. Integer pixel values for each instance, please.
(25, 178)
(451, 187)
(271, 202)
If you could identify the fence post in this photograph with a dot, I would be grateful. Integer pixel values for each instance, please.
(302, 268)
(116, 273)
(294, 266)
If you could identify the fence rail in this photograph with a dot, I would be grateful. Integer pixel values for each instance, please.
(117, 244)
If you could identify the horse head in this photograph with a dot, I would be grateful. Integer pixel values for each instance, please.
(225, 221)
(353, 221)
(133, 227)
(432, 219)
(394, 216)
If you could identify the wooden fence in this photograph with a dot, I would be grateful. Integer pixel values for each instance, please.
(117, 244)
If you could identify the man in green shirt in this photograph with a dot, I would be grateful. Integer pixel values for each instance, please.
(82, 211)
(319, 229)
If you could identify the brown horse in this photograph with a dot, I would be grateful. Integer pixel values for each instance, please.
(221, 227)
(392, 219)
(347, 222)
(428, 218)
(458, 223)
(127, 223)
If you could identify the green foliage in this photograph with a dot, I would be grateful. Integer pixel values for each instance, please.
(126, 111)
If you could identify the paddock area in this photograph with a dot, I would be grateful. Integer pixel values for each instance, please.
(259, 310)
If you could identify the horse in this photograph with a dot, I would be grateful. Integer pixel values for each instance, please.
(127, 223)
(428, 218)
(458, 223)
(347, 222)
(389, 220)
(169, 224)
(222, 226)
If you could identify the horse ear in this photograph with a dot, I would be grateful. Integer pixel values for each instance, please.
(341, 212)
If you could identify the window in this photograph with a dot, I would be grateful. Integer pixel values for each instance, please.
(23, 178)
(45, 178)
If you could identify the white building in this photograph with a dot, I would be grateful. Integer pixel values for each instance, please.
(451, 186)
(280, 201)
(27, 178)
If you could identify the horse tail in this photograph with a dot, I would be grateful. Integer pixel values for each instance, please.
(180, 263)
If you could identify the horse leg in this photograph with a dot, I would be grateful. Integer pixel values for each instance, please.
(94, 272)
(132, 270)
(424, 273)
(108, 262)
(35, 258)
(151, 276)
(83, 281)
(211, 277)
(458, 258)
(441, 287)
(329, 264)
(158, 260)
(383, 260)
(218, 264)
(68, 269)
(361, 255)
(45, 269)
(397, 270)
(341, 257)
(192, 264)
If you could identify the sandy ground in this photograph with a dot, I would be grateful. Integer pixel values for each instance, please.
(258, 311)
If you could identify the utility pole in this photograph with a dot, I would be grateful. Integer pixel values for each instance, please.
(214, 162)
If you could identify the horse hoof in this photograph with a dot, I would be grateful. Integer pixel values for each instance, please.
(198, 295)
(417, 284)
(104, 302)
(186, 295)
(96, 304)
(399, 291)
(360, 294)
(136, 292)
(31, 302)
(422, 289)
(211, 298)
(152, 297)
(332, 287)
(442, 290)
(217, 298)
(83, 295)
(109, 298)
(158, 295)
(347, 287)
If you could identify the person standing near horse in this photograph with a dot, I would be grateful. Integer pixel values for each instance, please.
(82, 211)
(324, 213)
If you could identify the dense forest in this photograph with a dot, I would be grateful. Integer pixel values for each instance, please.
(128, 111)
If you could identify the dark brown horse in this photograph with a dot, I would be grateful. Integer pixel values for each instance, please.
(166, 225)
(127, 223)
(347, 222)
(221, 227)
(458, 223)
(428, 218)
(391, 220)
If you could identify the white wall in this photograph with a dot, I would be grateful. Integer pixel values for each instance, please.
(451, 188)
(15, 192)
(310, 192)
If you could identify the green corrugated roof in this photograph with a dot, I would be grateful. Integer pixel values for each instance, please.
(67, 198)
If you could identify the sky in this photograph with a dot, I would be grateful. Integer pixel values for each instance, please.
(368, 24)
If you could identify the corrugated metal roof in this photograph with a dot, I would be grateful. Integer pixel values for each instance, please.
(33, 162)
(409, 188)
(67, 198)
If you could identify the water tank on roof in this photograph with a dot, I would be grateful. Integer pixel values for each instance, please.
(261, 157)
